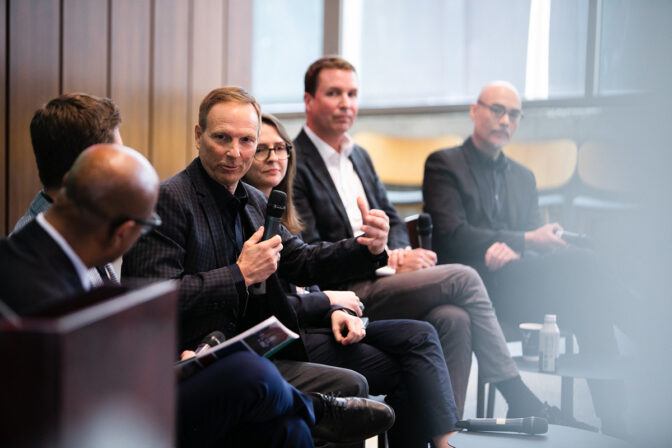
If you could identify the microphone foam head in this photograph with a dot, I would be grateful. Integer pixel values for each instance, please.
(535, 425)
(276, 204)
(424, 223)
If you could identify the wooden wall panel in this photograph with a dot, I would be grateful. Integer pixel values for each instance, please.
(3, 116)
(85, 39)
(207, 66)
(130, 58)
(33, 79)
(169, 107)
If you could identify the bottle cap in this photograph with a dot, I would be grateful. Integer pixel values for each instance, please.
(550, 318)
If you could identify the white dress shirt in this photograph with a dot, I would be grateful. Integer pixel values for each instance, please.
(347, 182)
(76, 262)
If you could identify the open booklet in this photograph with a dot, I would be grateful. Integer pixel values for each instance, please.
(264, 339)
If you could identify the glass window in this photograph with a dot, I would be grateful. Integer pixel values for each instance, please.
(444, 51)
(287, 37)
(622, 48)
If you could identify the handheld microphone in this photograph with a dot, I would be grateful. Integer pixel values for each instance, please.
(211, 340)
(577, 239)
(274, 210)
(277, 202)
(425, 231)
(528, 425)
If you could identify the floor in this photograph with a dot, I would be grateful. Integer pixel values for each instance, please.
(546, 387)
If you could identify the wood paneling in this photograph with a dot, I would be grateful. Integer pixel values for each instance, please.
(168, 127)
(85, 39)
(207, 65)
(129, 69)
(33, 79)
(3, 116)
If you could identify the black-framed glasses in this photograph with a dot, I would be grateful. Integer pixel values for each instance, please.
(282, 152)
(499, 111)
(149, 224)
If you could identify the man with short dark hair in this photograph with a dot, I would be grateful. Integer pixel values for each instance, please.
(485, 213)
(59, 131)
(333, 174)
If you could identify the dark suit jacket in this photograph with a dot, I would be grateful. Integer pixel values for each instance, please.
(460, 206)
(319, 204)
(35, 273)
(191, 246)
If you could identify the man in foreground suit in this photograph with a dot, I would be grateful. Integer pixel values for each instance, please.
(106, 202)
(485, 213)
(332, 173)
(59, 131)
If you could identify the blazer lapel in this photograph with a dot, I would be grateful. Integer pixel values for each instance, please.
(512, 200)
(315, 164)
(208, 204)
(481, 186)
(358, 162)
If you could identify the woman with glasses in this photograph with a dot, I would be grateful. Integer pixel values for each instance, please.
(401, 359)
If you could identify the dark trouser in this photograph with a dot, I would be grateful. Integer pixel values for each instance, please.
(242, 401)
(309, 377)
(571, 284)
(401, 359)
(424, 295)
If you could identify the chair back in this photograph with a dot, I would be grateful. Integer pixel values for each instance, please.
(606, 167)
(401, 160)
(552, 162)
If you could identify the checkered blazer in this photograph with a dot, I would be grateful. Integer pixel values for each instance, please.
(191, 244)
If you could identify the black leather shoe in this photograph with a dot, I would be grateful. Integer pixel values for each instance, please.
(352, 419)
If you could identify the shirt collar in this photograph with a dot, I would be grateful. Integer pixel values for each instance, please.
(483, 159)
(222, 195)
(81, 269)
(325, 149)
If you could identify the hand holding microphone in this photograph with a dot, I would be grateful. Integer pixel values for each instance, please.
(261, 253)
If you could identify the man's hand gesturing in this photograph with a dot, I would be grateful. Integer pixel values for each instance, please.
(258, 260)
(376, 226)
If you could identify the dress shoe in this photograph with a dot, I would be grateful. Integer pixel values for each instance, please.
(352, 419)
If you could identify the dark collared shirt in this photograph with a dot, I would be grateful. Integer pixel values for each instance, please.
(231, 208)
(493, 191)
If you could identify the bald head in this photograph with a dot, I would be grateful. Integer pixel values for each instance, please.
(496, 115)
(116, 181)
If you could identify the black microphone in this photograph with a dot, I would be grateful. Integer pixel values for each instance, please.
(577, 239)
(529, 425)
(425, 231)
(274, 210)
(211, 340)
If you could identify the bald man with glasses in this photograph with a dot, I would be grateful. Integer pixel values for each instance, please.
(485, 212)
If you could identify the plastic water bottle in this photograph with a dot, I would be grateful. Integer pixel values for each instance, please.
(549, 344)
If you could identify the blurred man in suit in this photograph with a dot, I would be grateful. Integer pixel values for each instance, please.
(105, 204)
(485, 212)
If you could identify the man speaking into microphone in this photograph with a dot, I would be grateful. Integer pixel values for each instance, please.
(211, 240)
